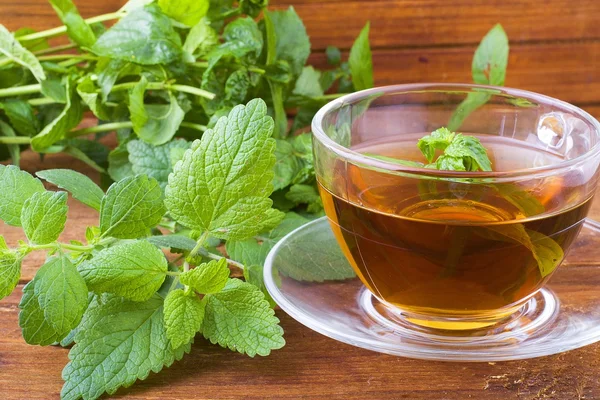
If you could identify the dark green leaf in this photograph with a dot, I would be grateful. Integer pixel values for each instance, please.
(291, 41)
(21, 117)
(491, 58)
(13, 149)
(334, 56)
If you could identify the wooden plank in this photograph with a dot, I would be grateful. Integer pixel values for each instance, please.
(415, 23)
(566, 71)
(303, 369)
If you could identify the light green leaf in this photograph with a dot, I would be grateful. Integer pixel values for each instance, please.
(287, 165)
(254, 274)
(471, 151)
(44, 215)
(21, 116)
(188, 12)
(11, 48)
(361, 61)
(16, 187)
(13, 149)
(77, 28)
(61, 293)
(241, 319)
(55, 89)
(308, 84)
(133, 270)
(134, 4)
(35, 328)
(154, 161)
(183, 316)
(10, 271)
(201, 39)
(223, 182)
(207, 278)
(437, 140)
(88, 92)
(173, 242)
(145, 36)
(154, 123)
(80, 186)
(138, 345)
(119, 166)
(131, 207)
(291, 41)
(68, 119)
(251, 252)
(491, 58)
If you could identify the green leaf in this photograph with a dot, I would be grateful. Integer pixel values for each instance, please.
(13, 149)
(154, 123)
(31, 45)
(21, 117)
(77, 28)
(207, 278)
(133, 270)
(88, 92)
(119, 341)
(334, 56)
(119, 166)
(437, 140)
(393, 160)
(183, 316)
(35, 328)
(223, 182)
(68, 119)
(154, 161)
(450, 163)
(525, 201)
(472, 102)
(243, 40)
(305, 194)
(145, 36)
(472, 152)
(55, 89)
(241, 319)
(287, 165)
(253, 252)
(303, 149)
(11, 48)
(80, 186)
(236, 87)
(491, 58)
(201, 39)
(16, 187)
(62, 294)
(109, 70)
(361, 61)
(131, 207)
(10, 271)
(173, 242)
(44, 215)
(254, 275)
(308, 83)
(291, 41)
(188, 12)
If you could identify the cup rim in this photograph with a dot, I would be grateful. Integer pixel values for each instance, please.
(364, 160)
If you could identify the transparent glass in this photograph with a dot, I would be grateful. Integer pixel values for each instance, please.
(452, 250)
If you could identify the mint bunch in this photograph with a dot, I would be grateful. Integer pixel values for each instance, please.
(128, 308)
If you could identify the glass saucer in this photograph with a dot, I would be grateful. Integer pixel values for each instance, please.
(309, 278)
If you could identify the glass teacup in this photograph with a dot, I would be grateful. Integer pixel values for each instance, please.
(455, 250)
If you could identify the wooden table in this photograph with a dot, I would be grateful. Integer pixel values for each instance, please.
(555, 47)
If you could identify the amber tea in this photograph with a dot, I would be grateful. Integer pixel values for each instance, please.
(450, 247)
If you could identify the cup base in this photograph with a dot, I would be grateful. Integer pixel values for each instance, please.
(310, 279)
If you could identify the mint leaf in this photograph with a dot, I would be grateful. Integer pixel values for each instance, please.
(154, 123)
(491, 58)
(254, 274)
(308, 84)
(472, 152)
(305, 194)
(437, 140)
(361, 61)
(54, 89)
(77, 28)
(251, 252)
(17, 186)
(21, 117)
(207, 278)
(43, 216)
(80, 186)
(68, 119)
(88, 92)
(449, 163)
(201, 39)
(154, 161)
(240, 318)
(223, 182)
(472, 102)
(119, 341)
(145, 36)
(173, 242)
(183, 316)
(287, 165)
(188, 12)
(134, 270)
(34, 326)
(13, 149)
(11, 48)
(131, 207)
(406, 163)
(10, 271)
(62, 294)
(291, 42)
(119, 166)
(243, 40)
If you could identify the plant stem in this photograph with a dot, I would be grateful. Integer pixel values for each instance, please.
(217, 257)
(173, 273)
(63, 29)
(41, 101)
(55, 49)
(204, 64)
(191, 90)
(192, 125)
(199, 245)
(15, 140)
(67, 57)
(19, 90)
(112, 126)
(165, 86)
(63, 246)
